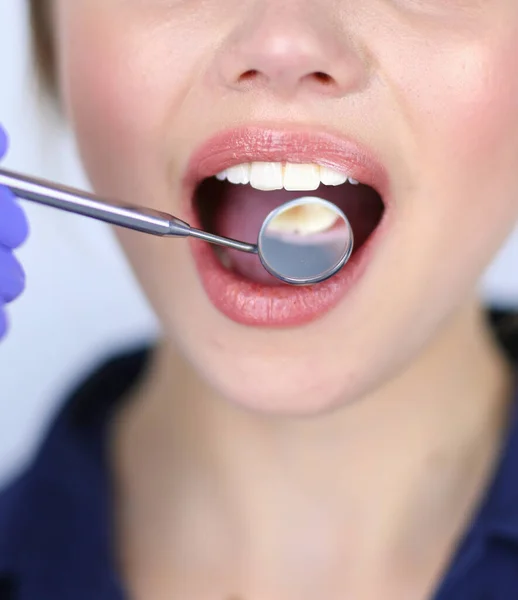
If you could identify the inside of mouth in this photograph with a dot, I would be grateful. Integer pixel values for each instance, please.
(238, 211)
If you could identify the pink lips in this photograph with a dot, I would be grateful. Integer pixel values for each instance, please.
(281, 305)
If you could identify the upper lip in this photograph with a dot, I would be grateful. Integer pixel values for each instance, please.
(296, 145)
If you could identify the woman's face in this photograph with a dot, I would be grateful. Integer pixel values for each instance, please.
(416, 98)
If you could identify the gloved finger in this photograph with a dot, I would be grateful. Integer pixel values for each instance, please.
(3, 322)
(3, 142)
(14, 227)
(12, 276)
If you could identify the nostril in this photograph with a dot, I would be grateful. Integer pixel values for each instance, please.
(288, 77)
(248, 75)
(323, 78)
(318, 76)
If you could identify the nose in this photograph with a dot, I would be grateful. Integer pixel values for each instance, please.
(289, 47)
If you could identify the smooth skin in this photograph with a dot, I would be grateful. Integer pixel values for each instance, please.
(341, 459)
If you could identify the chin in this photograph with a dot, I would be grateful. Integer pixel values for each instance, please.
(293, 391)
(273, 376)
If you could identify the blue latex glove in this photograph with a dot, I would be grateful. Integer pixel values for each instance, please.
(13, 232)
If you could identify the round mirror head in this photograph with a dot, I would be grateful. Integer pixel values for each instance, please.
(305, 241)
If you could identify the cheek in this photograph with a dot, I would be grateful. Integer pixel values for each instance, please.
(480, 114)
(463, 115)
(119, 95)
(465, 107)
(101, 94)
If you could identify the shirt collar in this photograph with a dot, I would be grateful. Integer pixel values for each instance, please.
(496, 520)
(498, 516)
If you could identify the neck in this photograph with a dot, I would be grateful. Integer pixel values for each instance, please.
(282, 489)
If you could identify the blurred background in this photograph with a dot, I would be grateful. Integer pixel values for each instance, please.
(81, 302)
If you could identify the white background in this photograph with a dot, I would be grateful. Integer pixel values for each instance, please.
(81, 301)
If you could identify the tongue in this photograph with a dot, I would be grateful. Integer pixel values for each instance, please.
(240, 216)
(243, 210)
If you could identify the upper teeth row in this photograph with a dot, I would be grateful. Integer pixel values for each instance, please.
(290, 176)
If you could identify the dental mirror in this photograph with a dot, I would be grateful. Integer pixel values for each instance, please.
(302, 242)
(305, 241)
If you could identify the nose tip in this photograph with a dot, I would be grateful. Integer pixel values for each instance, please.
(288, 54)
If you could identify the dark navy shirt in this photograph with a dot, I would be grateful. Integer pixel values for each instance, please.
(56, 520)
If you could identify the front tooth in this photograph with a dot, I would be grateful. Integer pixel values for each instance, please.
(221, 176)
(299, 177)
(239, 174)
(266, 176)
(331, 177)
(353, 181)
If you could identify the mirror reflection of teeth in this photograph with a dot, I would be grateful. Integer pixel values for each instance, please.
(268, 176)
(306, 219)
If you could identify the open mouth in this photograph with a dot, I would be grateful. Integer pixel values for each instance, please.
(236, 201)
(238, 177)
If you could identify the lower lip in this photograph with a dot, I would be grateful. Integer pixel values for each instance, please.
(253, 304)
